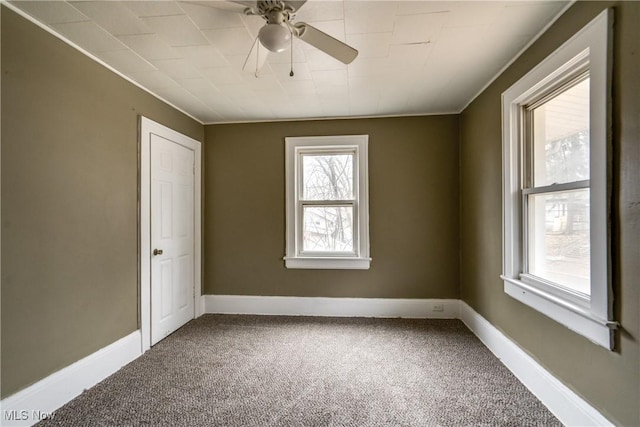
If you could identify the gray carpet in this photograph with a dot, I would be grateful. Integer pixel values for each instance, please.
(303, 371)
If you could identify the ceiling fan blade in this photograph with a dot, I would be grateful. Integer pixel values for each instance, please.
(256, 58)
(230, 6)
(323, 41)
(294, 5)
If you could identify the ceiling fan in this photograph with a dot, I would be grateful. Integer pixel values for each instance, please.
(276, 35)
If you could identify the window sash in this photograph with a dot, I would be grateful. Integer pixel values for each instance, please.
(577, 74)
(301, 202)
(326, 151)
(329, 203)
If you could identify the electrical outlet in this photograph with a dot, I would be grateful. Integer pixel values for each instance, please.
(438, 307)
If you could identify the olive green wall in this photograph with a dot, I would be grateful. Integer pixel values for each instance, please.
(609, 380)
(413, 177)
(69, 233)
(69, 202)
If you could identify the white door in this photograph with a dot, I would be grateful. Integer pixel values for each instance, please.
(172, 236)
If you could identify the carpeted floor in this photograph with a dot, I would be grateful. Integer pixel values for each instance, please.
(222, 370)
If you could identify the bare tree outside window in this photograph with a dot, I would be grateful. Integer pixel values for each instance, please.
(328, 178)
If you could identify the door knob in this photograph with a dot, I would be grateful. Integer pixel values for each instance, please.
(157, 251)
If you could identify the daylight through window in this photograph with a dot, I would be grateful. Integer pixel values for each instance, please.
(327, 202)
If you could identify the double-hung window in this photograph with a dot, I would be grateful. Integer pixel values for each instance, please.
(327, 202)
(556, 186)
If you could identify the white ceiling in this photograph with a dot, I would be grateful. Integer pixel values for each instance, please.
(415, 57)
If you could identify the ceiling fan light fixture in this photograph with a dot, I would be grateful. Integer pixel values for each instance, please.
(275, 37)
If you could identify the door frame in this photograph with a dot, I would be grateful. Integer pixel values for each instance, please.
(146, 128)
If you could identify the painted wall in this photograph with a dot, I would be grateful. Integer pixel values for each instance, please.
(413, 177)
(609, 380)
(69, 202)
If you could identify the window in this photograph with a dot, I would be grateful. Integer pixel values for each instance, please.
(327, 202)
(556, 189)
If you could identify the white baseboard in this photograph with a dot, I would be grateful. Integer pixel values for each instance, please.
(26, 407)
(338, 307)
(567, 406)
(34, 403)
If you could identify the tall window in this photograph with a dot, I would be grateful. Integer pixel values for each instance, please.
(327, 202)
(556, 196)
(555, 202)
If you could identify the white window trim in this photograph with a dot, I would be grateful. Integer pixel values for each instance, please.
(294, 257)
(594, 319)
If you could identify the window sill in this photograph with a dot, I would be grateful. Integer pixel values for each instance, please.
(326, 263)
(575, 317)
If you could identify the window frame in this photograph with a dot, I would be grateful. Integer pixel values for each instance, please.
(296, 257)
(589, 50)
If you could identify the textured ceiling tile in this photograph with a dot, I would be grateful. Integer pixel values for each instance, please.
(232, 111)
(126, 61)
(320, 61)
(230, 41)
(253, 23)
(203, 56)
(369, 16)
(267, 83)
(145, 9)
(259, 110)
(200, 88)
(153, 80)
(206, 114)
(392, 104)
(330, 77)
(51, 12)
(315, 11)
(366, 105)
(222, 75)
(210, 17)
(113, 17)
(368, 67)
(233, 91)
(294, 88)
(90, 36)
(177, 68)
(300, 72)
(187, 102)
(176, 30)
(331, 90)
(467, 14)
(409, 56)
(149, 46)
(414, 57)
(418, 28)
(237, 63)
(177, 93)
(425, 7)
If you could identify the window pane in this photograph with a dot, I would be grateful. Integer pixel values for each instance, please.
(327, 228)
(327, 177)
(561, 137)
(558, 236)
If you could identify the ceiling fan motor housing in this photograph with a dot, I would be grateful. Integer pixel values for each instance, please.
(266, 6)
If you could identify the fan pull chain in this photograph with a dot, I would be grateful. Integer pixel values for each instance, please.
(257, 56)
(291, 72)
